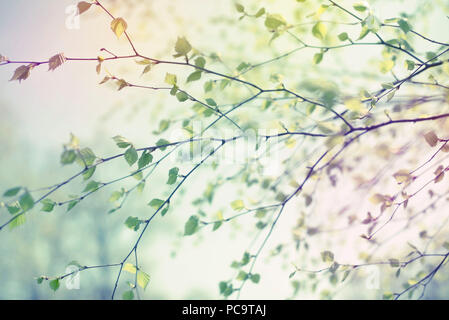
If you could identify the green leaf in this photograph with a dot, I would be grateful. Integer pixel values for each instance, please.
(17, 221)
(372, 23)
(386, 65)
(54, 284)
(410, 64)
(239, 7)
(208, 86)
(229, 290)
(40, 280)
(163, 126)
(345, 275)
(182, 47)
(387, 295)
(12, 192)
(128, 295)
(194, 76)
(363, 33)
(222, 286)
(68, 157)
(200, 62)
(260, 225)
(145, 159)
(237, 205)
(360, 6)
(334, 267)
(182, 96)
(391, 95)
(26, 201)
(13, 208)
(318, 57)
(48, 205)
(172, 175)
(138, 175)
(255, 278)
(245, 260)
(191, 226)
(162, 142)
(211, 102)
(133, 223)
(387, 85)
(142, 279)
(72, 204)
(165, 210)
(121, 142)
(217, 225)
(131, 156)
(403, 24)
(141, 186)
(274, 21)
(242, 275)
(319, 30)
(242, 66)
(87, 156)
(74, 263)
(156, 203)
(89, 173)
(170, 79)
(430, 55)
(91, 186)
(333, 279)
(343, 36)
(394, 263)
(260, 13)
(327, 256)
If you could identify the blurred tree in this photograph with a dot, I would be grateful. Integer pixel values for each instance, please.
(351, 151)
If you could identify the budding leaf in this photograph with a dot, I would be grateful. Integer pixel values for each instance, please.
(56, 61)
(22, 73)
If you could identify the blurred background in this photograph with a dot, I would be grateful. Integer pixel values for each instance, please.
(39, 114)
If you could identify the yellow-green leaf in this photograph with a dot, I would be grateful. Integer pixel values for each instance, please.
(119, 26)
(142, 279)
(402, 176)
(319, 30)
(170, 79)
(237, 205)
(182, 46)
(128, 267)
